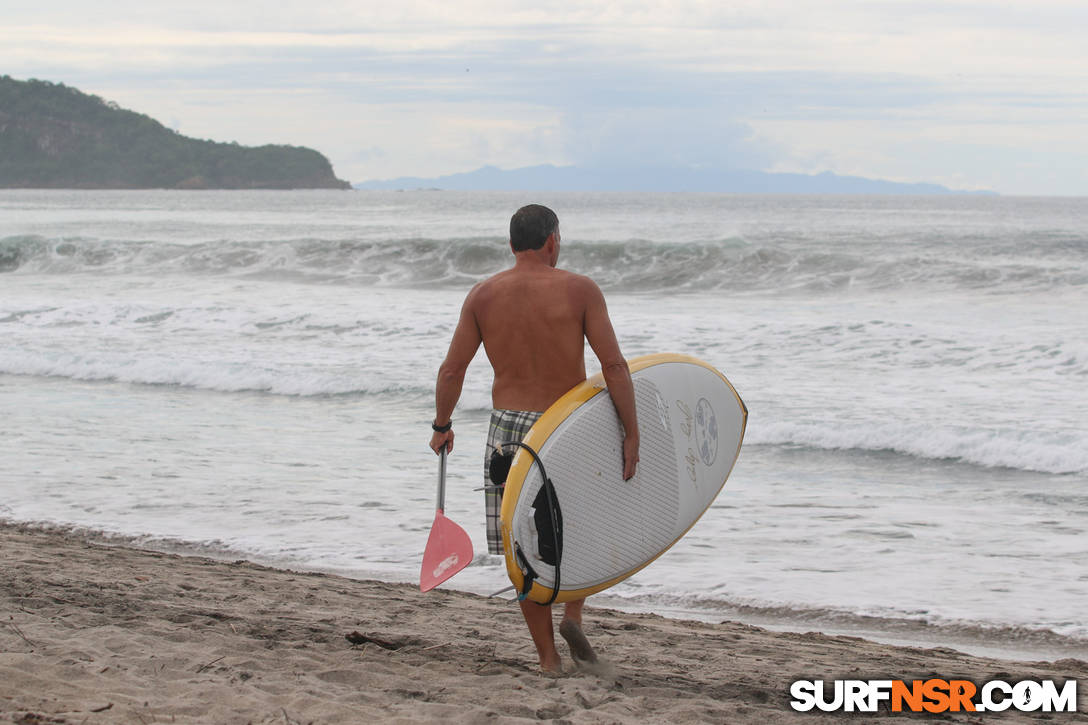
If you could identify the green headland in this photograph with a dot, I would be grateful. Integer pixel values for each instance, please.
(55, 136)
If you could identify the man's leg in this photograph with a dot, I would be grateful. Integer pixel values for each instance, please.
(539, 619)
(572, 610)
(571, 629)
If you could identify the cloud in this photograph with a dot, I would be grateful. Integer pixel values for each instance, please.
(662, 138)
(441, 87)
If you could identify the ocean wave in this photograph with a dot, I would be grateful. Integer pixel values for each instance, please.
(1043, 451)
(221, 377)
(634, 265)
(213, 549)
(1017, 449)
(1051, 641)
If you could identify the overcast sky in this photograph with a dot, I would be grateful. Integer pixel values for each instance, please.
(973, 94)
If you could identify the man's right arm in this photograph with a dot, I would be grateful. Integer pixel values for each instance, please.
(617, 376)
(451, 375)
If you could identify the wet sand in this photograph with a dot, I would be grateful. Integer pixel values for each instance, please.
(93, 633)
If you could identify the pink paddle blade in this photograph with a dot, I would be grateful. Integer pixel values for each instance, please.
(449, 550)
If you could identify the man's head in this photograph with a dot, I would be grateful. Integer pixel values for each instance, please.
(531, 226)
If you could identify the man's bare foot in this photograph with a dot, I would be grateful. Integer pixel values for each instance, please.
(580, 650)
(552, 666)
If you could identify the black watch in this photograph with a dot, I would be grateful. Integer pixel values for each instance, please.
(441, 428)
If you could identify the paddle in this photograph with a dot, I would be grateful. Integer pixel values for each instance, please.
(449, 550)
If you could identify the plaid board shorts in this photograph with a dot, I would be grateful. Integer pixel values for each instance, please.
(507, 426)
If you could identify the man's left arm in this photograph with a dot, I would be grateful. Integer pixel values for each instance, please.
(451, 374)
(617, 376)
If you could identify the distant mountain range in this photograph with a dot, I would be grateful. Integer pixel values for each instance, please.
(54, 136)
(574, 178)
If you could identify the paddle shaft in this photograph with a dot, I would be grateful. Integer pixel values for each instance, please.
(441, 506)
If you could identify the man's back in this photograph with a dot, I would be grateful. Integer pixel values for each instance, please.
(532, 322)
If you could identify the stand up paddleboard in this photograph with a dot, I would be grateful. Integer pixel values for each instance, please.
(590, 529)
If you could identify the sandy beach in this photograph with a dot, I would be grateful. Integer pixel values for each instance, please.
(94, 633)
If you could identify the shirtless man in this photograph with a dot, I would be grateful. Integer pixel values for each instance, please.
(533, 320)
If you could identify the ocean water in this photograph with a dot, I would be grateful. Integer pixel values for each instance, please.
(251, 375)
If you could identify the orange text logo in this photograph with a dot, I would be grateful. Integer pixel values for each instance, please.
(933, 695)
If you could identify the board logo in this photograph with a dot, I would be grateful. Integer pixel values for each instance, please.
(706, 431)
(663, 411)
(685, 422)
(687, 429)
